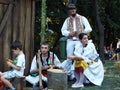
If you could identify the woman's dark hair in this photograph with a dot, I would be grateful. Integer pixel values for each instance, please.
(16, 44)
(81, 35)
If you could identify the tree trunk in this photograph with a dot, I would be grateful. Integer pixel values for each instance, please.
(57, 79)
(100, 28)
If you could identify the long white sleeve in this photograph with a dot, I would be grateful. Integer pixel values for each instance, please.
(57, 61)
(87, 27)
(64, 28)
(87, 53)
(33, 65)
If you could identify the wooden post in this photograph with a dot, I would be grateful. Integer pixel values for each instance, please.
(57, 79)
(40, 73)
(43, 21)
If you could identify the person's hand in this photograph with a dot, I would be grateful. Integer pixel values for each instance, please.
(72, 34)
(77, 32)
(64, 70)
(9, 63)
(7, 59)
(46, 67)
(71, 57)
(52, 66)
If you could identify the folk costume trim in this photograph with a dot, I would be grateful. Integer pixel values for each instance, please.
(79, 25)
(50, 58)
(50, 61)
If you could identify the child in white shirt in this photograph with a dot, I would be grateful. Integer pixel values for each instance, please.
(17, 65)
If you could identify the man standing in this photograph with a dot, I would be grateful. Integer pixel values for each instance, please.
(73, 25)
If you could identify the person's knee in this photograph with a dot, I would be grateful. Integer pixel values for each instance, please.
(0, 74)
(2, 78)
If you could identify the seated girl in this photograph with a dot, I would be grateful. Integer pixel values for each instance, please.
(87, 63)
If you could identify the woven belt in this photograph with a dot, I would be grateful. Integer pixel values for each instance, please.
(93, 61)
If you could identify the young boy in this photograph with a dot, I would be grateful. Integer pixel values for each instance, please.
(17, 65)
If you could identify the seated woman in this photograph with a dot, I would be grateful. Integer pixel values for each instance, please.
(87, 63)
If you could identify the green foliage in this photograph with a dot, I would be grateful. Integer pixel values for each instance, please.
(56, 13)
(114, 14)
(109, 12)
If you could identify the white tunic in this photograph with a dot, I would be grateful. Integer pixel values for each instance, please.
(21, 64)
(35, 80)
(34, 65)
(95, 71)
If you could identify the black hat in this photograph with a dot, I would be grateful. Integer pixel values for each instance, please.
(71, 6)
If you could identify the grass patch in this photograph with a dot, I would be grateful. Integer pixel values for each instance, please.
(111, 79)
